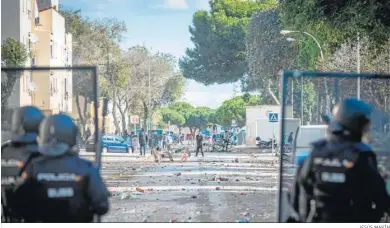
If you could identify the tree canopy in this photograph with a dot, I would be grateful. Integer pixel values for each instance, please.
(13, 54)
(234, 109)
(219, 39)
(267, 51)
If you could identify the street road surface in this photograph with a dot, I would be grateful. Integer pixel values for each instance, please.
(221, 187)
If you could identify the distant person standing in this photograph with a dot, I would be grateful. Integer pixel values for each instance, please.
(226, 139)
(199, 144)
(142, 141)
(153, 142)
(134, 139)
(87, 134)
(164, 141)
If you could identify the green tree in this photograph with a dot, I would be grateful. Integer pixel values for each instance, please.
(234, 109)
(335, 22)
(13, 54)
(183, 108)
(219, 39)
(267, 52)
(93, 40)
(199, 118)
(172, 116)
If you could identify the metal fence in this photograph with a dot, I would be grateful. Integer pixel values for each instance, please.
(327, 89)
(70, 90)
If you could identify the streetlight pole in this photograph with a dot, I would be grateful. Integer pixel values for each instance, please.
(358, 66)
(284, 32)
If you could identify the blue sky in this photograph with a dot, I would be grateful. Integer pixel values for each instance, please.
(161, 25)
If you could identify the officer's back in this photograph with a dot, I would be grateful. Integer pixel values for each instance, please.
(60, 186)
(18, 152)
(339, 181)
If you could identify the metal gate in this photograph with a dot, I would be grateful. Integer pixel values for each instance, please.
(323, 91)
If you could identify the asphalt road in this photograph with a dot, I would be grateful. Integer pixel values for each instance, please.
(220, 187)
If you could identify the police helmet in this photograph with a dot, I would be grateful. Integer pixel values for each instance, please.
(57, 135)
(25, 124)
(351, 117)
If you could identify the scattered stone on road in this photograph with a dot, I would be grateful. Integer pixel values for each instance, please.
(209, 189)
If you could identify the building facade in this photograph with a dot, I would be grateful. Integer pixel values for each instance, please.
(41, 28)
(17, 16)
(54, 49)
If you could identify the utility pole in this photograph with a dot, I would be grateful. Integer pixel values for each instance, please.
(292, 98)
(358, 66)
(302, 123)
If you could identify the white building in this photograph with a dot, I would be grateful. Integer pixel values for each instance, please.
(41, 28)
(17, 17)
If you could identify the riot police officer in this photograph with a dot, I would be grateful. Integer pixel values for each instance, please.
(339, 181)
(59, 186)
(17, 153)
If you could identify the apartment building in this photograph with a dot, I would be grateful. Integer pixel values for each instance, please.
(54, 49)
(17, 16)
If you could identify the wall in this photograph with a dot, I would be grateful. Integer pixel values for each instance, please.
(19, 12)
(260, 112)
(10, 11)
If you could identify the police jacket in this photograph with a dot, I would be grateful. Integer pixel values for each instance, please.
(61, 188)
(339, 182)
(15, 155)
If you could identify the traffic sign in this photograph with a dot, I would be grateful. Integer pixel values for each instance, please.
(134, 119)
(273, 117)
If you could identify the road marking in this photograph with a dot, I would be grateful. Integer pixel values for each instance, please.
(192, 173)
(191, 187)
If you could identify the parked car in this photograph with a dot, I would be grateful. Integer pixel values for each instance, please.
(304, 136)
(110, 143)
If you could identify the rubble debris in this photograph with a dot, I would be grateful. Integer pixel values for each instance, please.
(245, 213)
(140, 190)
(177, 174)
(223, 179)
(125, 196)
(173, 220)
(194, 196)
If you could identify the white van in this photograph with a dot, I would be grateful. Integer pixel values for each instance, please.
(304, 136)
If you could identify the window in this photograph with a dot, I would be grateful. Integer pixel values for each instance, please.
(118, 139)
(51, 87)
(65, 89)
(51, 50)
(29, 14)
(24, 5)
